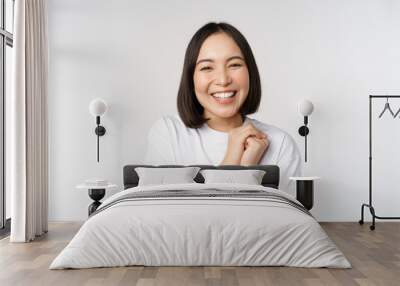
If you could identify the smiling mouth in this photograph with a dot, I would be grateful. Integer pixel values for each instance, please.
(223, 95)
(226, 97)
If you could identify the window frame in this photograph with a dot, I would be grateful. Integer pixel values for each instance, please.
(6, 39)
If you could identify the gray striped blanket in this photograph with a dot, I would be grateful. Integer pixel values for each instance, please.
(205, 194)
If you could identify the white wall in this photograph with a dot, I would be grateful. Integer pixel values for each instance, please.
(130, 53)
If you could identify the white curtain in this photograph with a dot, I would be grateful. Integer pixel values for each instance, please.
(28, 157)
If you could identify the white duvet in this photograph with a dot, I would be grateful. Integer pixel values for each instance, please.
(200, 231)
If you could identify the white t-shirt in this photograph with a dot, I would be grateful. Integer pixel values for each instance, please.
(171, 142)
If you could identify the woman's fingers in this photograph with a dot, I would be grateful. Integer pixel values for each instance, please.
(250, 130)
(254, 140)
(255, 149)
(246, 145)
(238, 143)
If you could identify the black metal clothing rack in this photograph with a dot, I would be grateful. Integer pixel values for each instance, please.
(369, 205)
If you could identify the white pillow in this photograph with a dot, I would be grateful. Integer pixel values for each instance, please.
(163, 176)
(248, 177)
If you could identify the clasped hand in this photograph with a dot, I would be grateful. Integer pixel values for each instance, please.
(246, 146)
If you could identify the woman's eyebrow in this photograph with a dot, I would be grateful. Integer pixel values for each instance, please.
(235, 58)
(204, 60)
(229, 59)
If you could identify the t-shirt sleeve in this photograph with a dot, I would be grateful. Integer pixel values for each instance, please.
(289, 162)
(159, 145)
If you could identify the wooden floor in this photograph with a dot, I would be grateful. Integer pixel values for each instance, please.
(374, 255)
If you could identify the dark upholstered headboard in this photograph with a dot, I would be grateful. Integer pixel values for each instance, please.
(270, 179)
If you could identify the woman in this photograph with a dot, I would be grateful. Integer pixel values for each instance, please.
(220, 86)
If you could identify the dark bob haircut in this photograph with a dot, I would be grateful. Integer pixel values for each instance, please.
(189, 108)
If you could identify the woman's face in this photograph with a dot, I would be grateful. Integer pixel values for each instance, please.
(221, 77)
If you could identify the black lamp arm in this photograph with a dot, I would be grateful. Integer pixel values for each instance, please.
(303, 131)
(100, 131)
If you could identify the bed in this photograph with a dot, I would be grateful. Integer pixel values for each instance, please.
(201, 224)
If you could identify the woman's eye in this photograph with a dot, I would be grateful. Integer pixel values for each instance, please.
(235, 65)
(205, 68)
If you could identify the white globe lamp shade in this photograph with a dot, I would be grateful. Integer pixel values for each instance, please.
(97, 107)
(306, 107)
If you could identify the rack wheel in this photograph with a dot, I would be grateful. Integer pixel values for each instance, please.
(361, 222)
(372, 227)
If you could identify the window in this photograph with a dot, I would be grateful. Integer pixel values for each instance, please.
(6, 44)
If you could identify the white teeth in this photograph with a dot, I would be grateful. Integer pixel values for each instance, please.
(223, 94)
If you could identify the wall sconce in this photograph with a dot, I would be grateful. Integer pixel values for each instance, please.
(305, 108)
(97, 108)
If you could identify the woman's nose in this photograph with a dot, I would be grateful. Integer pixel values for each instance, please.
(223, 78)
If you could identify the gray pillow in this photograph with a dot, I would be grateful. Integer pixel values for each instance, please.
(248, 177)
(163, 176)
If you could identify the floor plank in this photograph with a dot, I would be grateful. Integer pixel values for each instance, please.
(374, 255)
